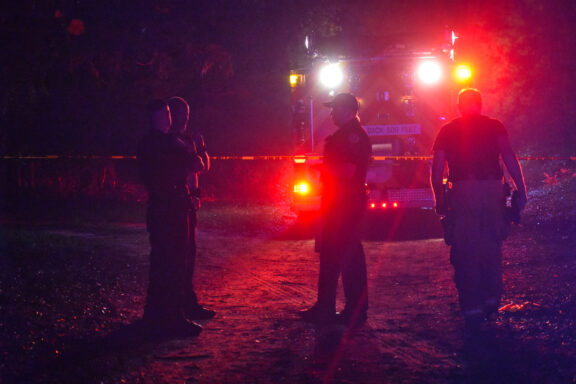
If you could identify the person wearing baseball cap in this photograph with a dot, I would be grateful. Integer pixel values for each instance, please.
(347, 153)
(343, 100)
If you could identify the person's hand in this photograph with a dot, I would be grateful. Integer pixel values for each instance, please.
(195, 203)
(199, 142)
(440, 210)
(441, 207)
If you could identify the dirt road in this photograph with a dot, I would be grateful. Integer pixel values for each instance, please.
(79, 287)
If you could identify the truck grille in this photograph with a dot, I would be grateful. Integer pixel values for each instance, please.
(411, 195)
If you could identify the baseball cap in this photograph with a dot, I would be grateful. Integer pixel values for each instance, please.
(346, 100)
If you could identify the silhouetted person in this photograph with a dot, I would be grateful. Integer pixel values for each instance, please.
(476, 222)
(180, 113)
(347, 154)
(164, 163)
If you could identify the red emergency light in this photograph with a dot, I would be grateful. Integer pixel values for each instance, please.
(302, 188)
(383, 205)
(299, 160)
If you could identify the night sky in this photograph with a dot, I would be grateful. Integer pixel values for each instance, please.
(76, 74)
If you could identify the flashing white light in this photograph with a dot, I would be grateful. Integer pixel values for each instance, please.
(454, 37)
(430, 72)
(331, 76)
(307, 43)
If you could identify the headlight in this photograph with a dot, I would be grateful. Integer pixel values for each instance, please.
(430, 72)
(331, 76)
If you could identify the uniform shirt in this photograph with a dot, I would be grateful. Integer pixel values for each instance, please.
(471, 148)
(164, 162)
(349, 144)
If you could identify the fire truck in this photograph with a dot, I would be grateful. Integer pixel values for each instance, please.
(405, 93)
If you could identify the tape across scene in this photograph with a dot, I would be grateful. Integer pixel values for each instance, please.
(252, 158)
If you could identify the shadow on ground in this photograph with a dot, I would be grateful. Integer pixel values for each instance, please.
(402, 225)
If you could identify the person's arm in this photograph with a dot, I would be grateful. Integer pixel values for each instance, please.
(194, 162)
(206, 159)
(513, 166)
(197, 164)
(437, 178)
(342, 171)
(200, 145)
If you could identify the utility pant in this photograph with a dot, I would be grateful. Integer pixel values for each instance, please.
(190, 300)
(479, 226)
(170, 286)
(341, 252)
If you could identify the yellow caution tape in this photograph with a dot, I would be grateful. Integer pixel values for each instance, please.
(298, 158)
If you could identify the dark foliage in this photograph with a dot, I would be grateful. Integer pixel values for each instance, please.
(75, 75)
(33, 185)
